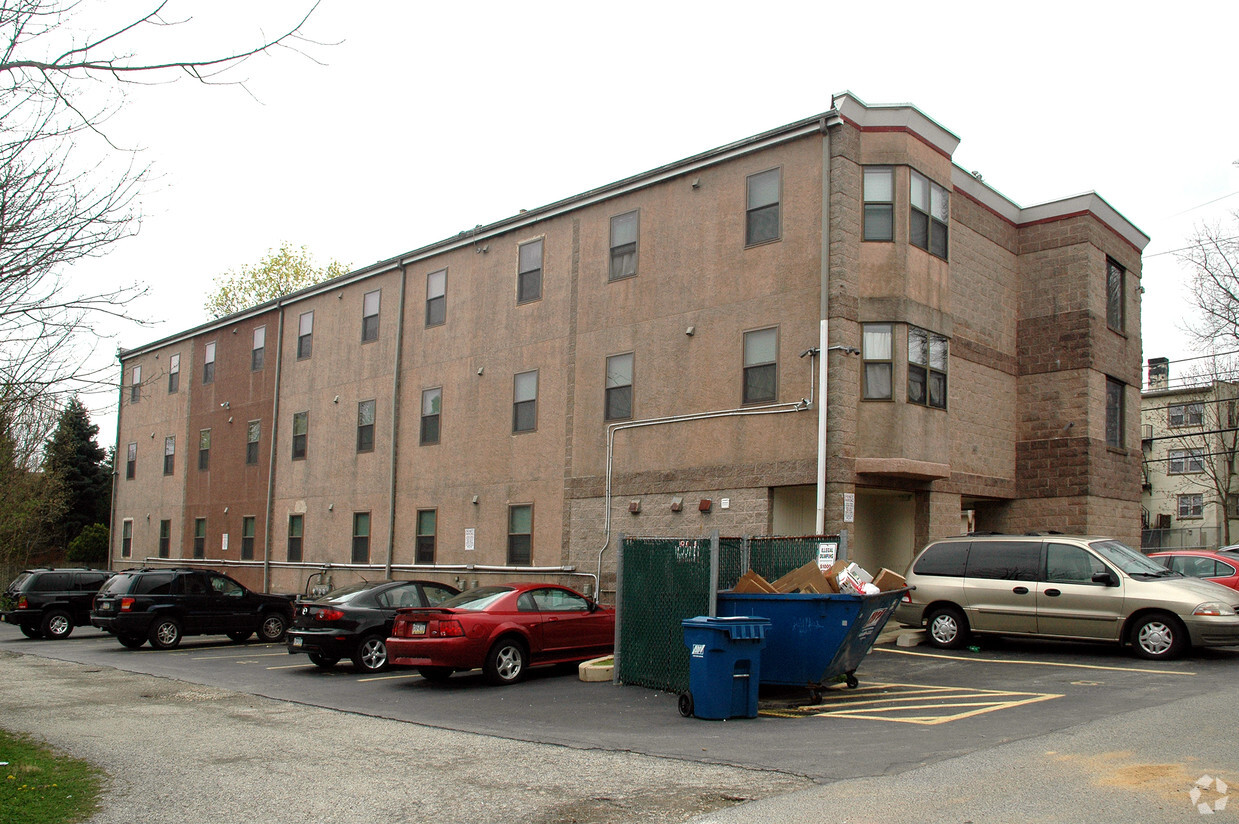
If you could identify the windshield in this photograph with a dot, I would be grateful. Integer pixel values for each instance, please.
(1128, 559)
(475, 599)
(345, 594)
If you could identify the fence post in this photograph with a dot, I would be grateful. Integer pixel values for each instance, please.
(714, 549)
(619, 608)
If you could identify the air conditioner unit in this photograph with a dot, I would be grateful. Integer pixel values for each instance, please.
(1146, 431)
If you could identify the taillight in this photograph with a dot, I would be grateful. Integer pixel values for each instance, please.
(329, 615)
(907, 597)
(449, 629)
(126, 604)
(22, 603)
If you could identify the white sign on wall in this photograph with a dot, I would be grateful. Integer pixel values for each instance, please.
(225, 547)
(827, 553)
(849, 507)
(469, 533)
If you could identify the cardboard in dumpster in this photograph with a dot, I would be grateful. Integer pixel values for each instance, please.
(809, 579)
(886, 580)
(752, 583)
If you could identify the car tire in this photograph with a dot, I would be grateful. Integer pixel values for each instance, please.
(239, 637)
(56, 625)
(436, 674)
(165, 633)
(31, 632)
(131, 641)
(506, 662)
(272, 627)
(323, 661)
(371, 654)
(947, 628)
(1158, 637)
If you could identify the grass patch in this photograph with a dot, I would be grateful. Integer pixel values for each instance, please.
(40, 786)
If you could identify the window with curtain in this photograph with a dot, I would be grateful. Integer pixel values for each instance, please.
(623, 246)
(879, 195)
(877, 353)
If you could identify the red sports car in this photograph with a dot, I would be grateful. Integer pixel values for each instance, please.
(1220, 565)
(502, 629)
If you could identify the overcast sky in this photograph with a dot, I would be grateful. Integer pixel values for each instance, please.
(428, 119)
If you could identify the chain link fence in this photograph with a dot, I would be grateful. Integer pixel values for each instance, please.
(662, 581)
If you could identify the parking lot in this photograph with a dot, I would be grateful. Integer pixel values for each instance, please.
(914, 706)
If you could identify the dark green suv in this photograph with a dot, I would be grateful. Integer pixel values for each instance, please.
(164, 605)
(49, 603)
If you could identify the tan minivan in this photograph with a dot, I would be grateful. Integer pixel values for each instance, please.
(1063, 586)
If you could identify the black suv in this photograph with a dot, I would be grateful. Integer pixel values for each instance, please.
(163, 605)
(49, 603)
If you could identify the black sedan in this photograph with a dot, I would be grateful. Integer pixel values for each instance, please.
(355, 621)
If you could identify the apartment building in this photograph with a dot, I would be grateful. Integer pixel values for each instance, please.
(826, 327)
(1189, 435)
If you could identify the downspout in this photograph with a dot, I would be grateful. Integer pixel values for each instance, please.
(120, 404)
(823, 330)
(275, 425)
(395, 425)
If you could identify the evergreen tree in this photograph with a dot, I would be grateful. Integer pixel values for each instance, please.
(76, 463)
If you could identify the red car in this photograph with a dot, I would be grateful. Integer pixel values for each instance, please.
(1220, 565)
(502, 629)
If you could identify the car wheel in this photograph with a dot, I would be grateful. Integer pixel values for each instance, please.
(57, 625)
(165, 633)
(272, 627)
(238, 637)
(371, 654)
(323, 661)
(131, 641)
(948, 628)
(436, 674)
(31, 632)
(505, 663)
(1158, 637)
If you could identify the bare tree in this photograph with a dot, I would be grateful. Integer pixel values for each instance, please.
(67, 191)
(1212, 258)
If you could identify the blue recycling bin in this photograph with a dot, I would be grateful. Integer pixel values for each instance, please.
(724, 666)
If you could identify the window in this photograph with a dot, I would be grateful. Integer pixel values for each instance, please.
(879, 194)
(169, 454)
(1187, 414)
(760, 371)
(525, 402)
(126, 538)
(1069, 564)
(135, 385)
(520, 535)
(131, 462)
(761, 217)
(199, 537)
(1115, 275)
(425, 552)
(623, 246)
(529, 272)
(174, 373)
(927, 357)
(296, 528)
(365, 426)
(253, 431)
(301, 432)
(370, 316)
(1232, 506)
(208, 364)
(204, 450)
(165, 539)
(619, 387)
(1192, 505)
(361, 537)
(1187, 461)
(931, 211)
(878, 353)
(305, 335)
(259, 350)
(432, 404)
(1114, 413)
(1005, 560)
(247, 538)
(436, 298)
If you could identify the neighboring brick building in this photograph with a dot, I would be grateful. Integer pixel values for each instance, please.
(659, 340)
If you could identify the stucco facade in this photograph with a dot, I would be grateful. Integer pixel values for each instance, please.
(713, 287)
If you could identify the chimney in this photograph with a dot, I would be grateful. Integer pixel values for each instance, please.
(1159, 373)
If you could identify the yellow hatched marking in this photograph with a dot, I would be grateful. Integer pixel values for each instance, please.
(1024, 661)
(913, 704)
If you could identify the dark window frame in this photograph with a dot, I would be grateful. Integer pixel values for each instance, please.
(528, 277)
(361, 540)
(1116, 406)
(623, 258)
(165, 538)
(756, 230)
(1195, 507)
(436, 298)
(524, 409)
(208, 363)
(174, 373)
(200, 525)
(878, 212)
(305, 339)
(258, 349)
(253, 437)
(618, 393)
(296, 536)
(300, 440)
(126, 538)
(758, 373)
(131, 461)
(520, 544)
(1116, 294)
(370, 319)
(928, 224)
(874, 364)
(169, 454)
(248, 531)
(431, 421)
(204, 450)
(135, 384)
(424, 549)
(927, 384)
(365, 431)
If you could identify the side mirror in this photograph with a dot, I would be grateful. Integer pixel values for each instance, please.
(1104, 578)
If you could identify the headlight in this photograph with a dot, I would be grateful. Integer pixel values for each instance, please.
(1213, 608)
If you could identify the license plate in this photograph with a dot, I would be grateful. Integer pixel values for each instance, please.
(418, 628)
(105, 607)
(298, 642)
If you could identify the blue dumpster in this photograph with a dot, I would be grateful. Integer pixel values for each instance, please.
(814, 639)
(724, 666)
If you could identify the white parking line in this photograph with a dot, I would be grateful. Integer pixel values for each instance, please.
(1031, 663)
